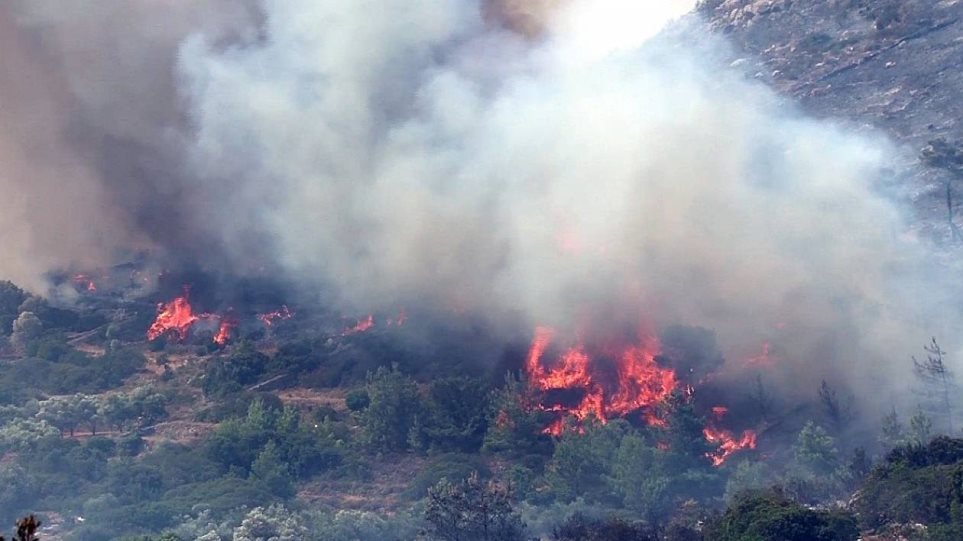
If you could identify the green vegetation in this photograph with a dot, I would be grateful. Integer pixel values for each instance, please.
(771, 516)
(301, 435)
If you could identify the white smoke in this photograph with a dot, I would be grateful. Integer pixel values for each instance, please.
(401, 152)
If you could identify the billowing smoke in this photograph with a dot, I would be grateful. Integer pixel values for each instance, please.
(92, 129)
(561, 162)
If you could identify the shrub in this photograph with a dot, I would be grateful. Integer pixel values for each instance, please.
(770, 516)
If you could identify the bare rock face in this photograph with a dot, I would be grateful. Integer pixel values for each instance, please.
(895, 65)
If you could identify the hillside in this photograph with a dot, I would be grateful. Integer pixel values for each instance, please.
(896, 66)
(416, 273)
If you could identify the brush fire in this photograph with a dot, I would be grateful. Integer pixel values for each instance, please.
(617, 379)
(176, 319)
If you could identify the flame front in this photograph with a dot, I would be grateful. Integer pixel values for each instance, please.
(270, 318)
(728, 443)
(617, 381)
(362, 326)
(641, 383)
(175, 318)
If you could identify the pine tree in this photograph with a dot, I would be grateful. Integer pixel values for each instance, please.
(938, 382)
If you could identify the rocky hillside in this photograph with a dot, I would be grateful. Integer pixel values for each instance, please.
(896, 65)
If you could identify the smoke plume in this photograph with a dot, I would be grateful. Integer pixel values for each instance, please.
(561, 161)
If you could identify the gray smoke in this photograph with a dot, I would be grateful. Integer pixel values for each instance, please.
(401, 152)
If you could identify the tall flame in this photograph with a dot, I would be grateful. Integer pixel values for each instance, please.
(640, 384)
(175, 318)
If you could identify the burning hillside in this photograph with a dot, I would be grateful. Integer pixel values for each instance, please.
(177, 318)
(631, 379)
(605, 381)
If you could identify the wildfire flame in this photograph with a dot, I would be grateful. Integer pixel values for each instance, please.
(640, 383)
(84, 281)
(174, 318)
(270, 318)
(362, 326)
(726, 440)
(225, 330)
(177, 317)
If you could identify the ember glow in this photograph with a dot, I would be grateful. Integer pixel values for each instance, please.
(85, 282)
(270, 318)
(764, 358)
(362, 326)
(635, 382)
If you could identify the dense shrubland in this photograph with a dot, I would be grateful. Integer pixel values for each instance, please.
(80, 432)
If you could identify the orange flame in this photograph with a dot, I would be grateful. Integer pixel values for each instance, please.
(362, 326)
(225, 330)
(174, 318)
(641, 382)
(728, 443)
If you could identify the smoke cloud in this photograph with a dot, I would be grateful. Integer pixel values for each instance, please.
(563, 162)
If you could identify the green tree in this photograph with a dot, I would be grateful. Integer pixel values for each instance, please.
(394, 408)
(242, 368)
(938, 383)
(815, 451)
(582, 459)
(270, 469)
(748, 476)
(921, 428)
(274, 523)
(455, 417)
(771, 516)
(688, 447)
(816, 472)
(472, 510)
(839, 412)
(639, 476)
(516, 424)
(11, 297)
(892, 432)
